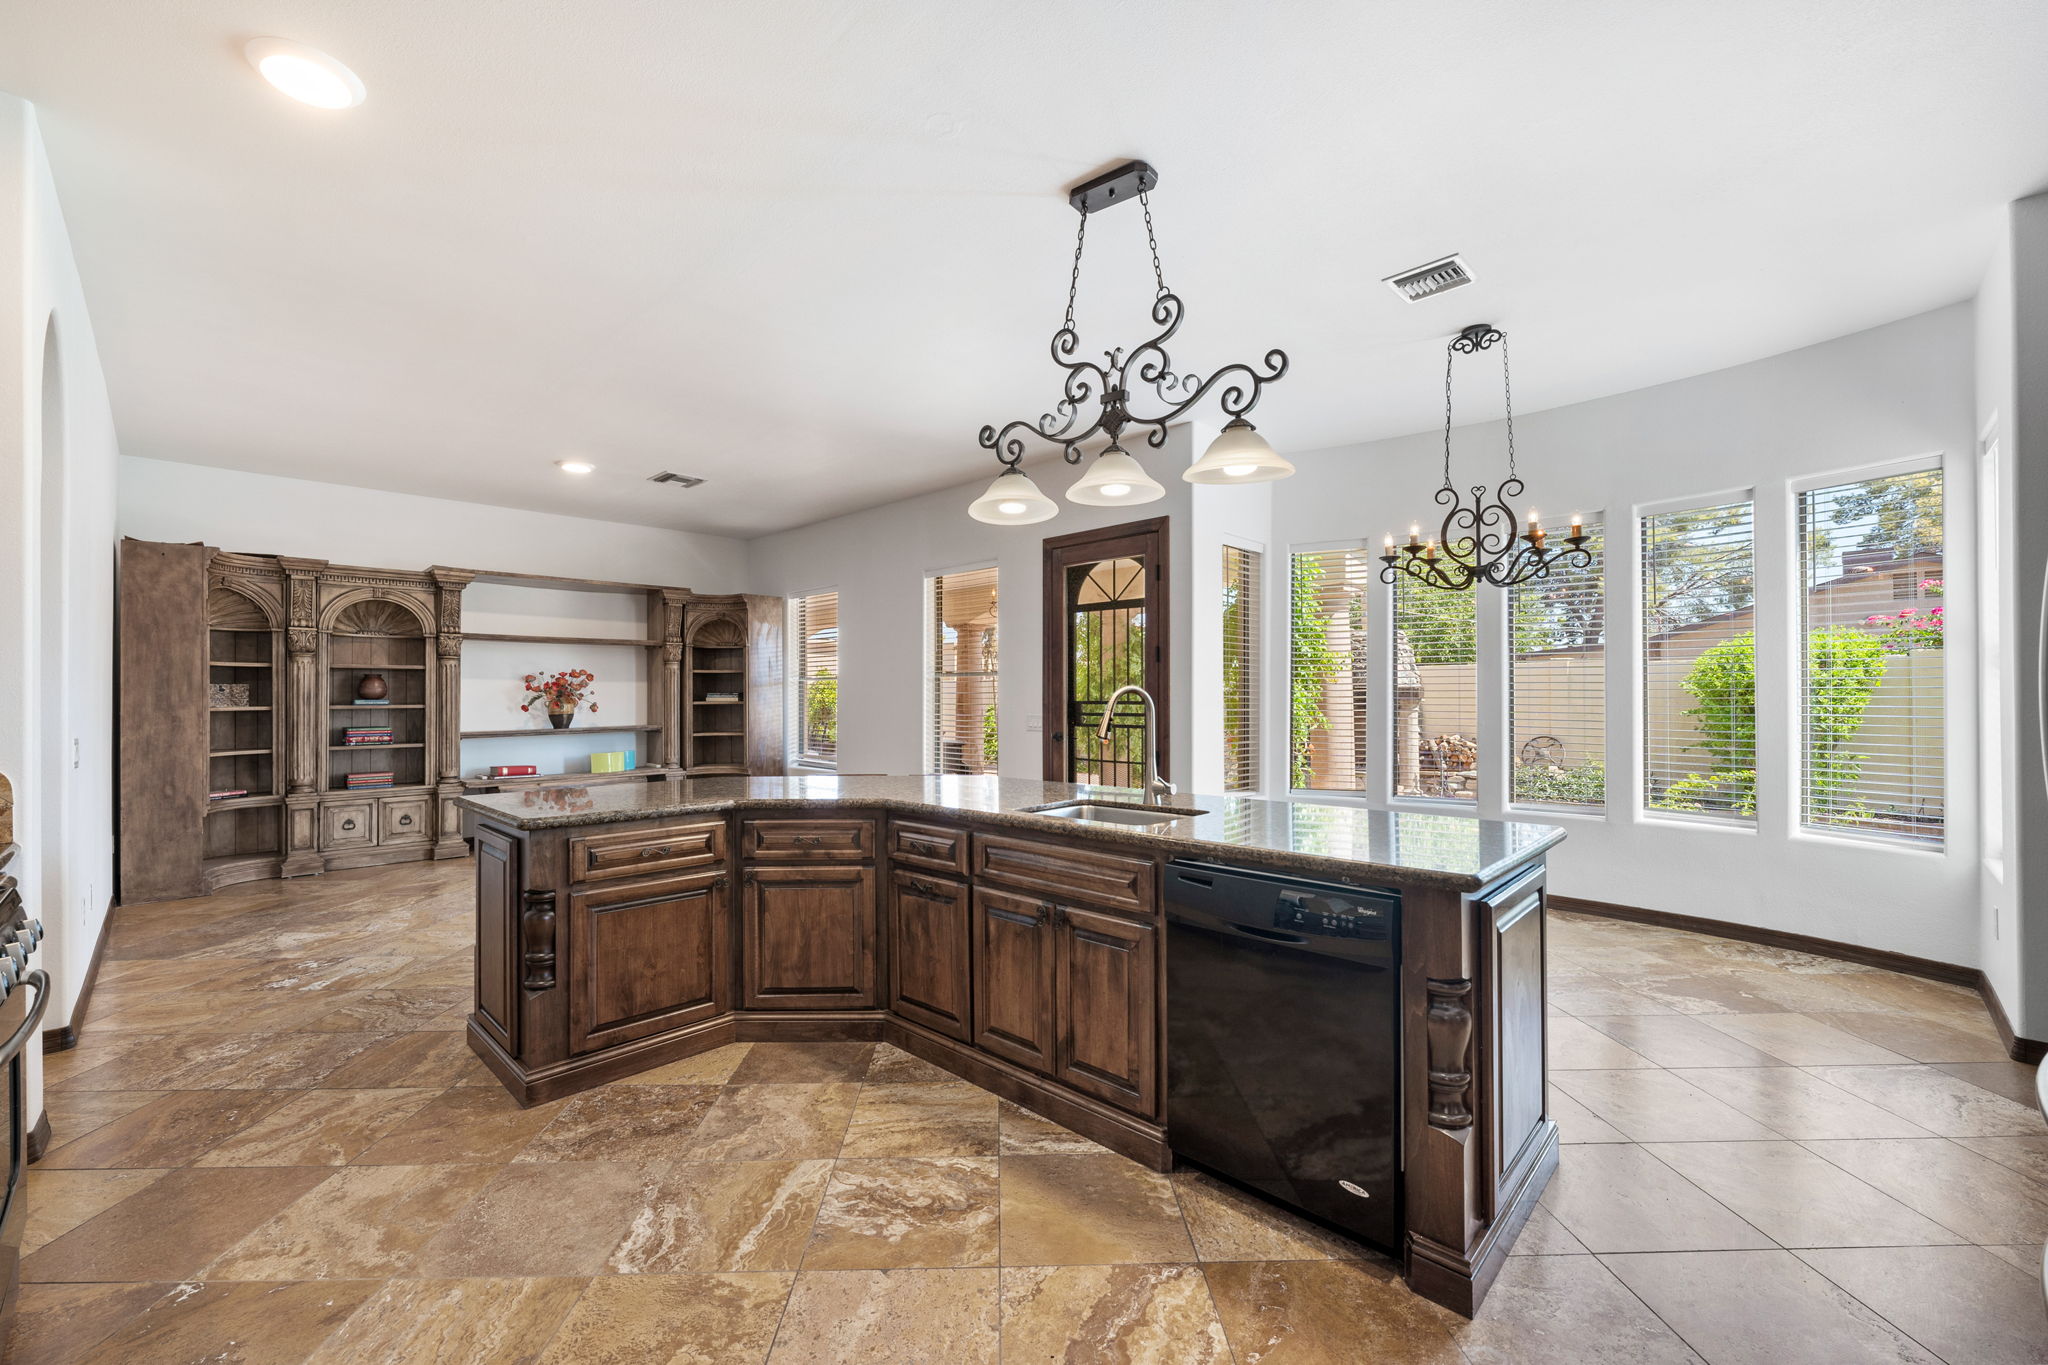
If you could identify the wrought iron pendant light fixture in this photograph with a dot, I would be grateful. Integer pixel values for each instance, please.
(1479, 543)
(1095, 398)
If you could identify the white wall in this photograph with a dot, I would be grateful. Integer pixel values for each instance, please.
(1896, 391)
(57, 459)
(878, 560)
(265, 514)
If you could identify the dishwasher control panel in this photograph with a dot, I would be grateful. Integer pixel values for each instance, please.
(1330, 917)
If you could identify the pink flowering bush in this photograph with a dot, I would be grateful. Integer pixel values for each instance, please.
(1912, 628)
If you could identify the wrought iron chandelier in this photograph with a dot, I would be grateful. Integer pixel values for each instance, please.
(1104, 389)
(1478, 543)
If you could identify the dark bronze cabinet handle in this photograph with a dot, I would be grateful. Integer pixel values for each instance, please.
(1031, 921)
(405, 819)
(662, 852)
(347, 825)
(918, 886)
(810, 839)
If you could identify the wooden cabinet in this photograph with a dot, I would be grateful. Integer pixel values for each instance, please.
(935, 848)
(929, 932)
(1013, 978)
(1070, 993)
(807, 841)
(1109, 880)
(1105, 1001)
(348, 824)
(650, 956)
(641, 852)
(404, 820)
(809, 938)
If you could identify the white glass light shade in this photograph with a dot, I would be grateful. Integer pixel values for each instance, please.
(1114, 479)
(1239, 455)
(1012, 500)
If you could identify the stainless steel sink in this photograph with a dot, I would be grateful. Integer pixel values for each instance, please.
(1107, 813)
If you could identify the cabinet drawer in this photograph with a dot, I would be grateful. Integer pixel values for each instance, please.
(807, 841)
(637, 852)
(1061, 870)
(347, 824)
(402, 820)
(932, 847)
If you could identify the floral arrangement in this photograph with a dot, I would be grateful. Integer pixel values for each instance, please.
(561, 692)
(1912, 628)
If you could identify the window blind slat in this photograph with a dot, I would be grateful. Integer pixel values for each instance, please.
(1241, 574)
(1557, 680)
(1436, 692)
(814, 627)
(1327, 669)
(1699, 662)
(960, 728)
(1871, 619)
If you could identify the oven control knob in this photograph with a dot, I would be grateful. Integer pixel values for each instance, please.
(9, 973)
(35, 931)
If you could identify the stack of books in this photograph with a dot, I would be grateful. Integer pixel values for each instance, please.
(721, 696)
(362, 782)
(514, 770)
(224, 795)
(366, 734)
(365, 701)
(620, 762)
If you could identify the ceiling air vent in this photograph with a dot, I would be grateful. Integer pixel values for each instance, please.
(665, 476)
(1427, 280)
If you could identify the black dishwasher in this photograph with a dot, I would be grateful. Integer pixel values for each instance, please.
(1284, 1040)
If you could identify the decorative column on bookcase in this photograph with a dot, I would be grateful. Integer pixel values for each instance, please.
(302, 713)
(667, 606)
(446, 755)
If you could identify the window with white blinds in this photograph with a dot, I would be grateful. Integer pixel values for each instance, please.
(1557, 680)
(814, 664)
(1326, 731)
(960, 725)
(1241, 572)
(1699, 662)
(1436, 692)
(1871, 622)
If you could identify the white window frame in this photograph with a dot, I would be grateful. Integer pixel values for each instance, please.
(928, 736)
(793, 691)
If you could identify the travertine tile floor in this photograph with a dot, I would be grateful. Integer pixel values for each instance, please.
(273, 1146)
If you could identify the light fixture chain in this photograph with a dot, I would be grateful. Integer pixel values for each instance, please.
(1450, 358)
(1158, 275)
(1507, 385)
(1074, 282)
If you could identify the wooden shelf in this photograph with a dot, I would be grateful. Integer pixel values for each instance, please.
(397, 788)
(719, 734)
(237, 753)
(560, 640)
(717, 670)
(719, 701)
(236, 708)
(567, 730)
(718, 770)
(236, 663)
(366, 710)
(366, 748)
(374, 668)
(253, 800)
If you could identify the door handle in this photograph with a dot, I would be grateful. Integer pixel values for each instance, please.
(1272, 935)
(662, 852)
(1014, 917)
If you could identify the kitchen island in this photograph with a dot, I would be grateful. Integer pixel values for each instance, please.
(620, 928)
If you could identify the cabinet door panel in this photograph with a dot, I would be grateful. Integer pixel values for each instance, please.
(649, 957)
(497, 937)
(1013, 996)
(928, 953)
(807, 841)
(810, 938)
(350, 824)
(1106, 1002)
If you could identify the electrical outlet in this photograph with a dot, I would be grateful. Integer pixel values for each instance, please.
(74, 751)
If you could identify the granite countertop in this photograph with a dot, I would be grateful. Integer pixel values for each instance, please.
(1409, 848)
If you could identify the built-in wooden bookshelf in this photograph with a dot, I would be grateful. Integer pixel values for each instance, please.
(715, 688)
(242, 836)
(378, 638)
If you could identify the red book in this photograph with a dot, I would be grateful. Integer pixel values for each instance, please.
(514, 770)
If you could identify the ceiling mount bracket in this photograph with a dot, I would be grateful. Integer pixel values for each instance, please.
(1111, 188)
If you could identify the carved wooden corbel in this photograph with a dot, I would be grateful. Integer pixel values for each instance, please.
(1450, 1053)
(537, 941)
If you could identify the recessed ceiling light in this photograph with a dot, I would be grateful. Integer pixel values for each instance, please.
(575, 466)
(306, 74)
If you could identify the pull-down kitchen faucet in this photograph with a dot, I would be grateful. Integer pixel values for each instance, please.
(1157, 788)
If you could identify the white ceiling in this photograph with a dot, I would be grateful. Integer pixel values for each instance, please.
(806, 249)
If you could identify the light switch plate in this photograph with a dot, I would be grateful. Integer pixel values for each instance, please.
(1034, 722)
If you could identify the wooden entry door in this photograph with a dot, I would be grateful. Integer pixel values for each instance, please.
(1105, 625)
